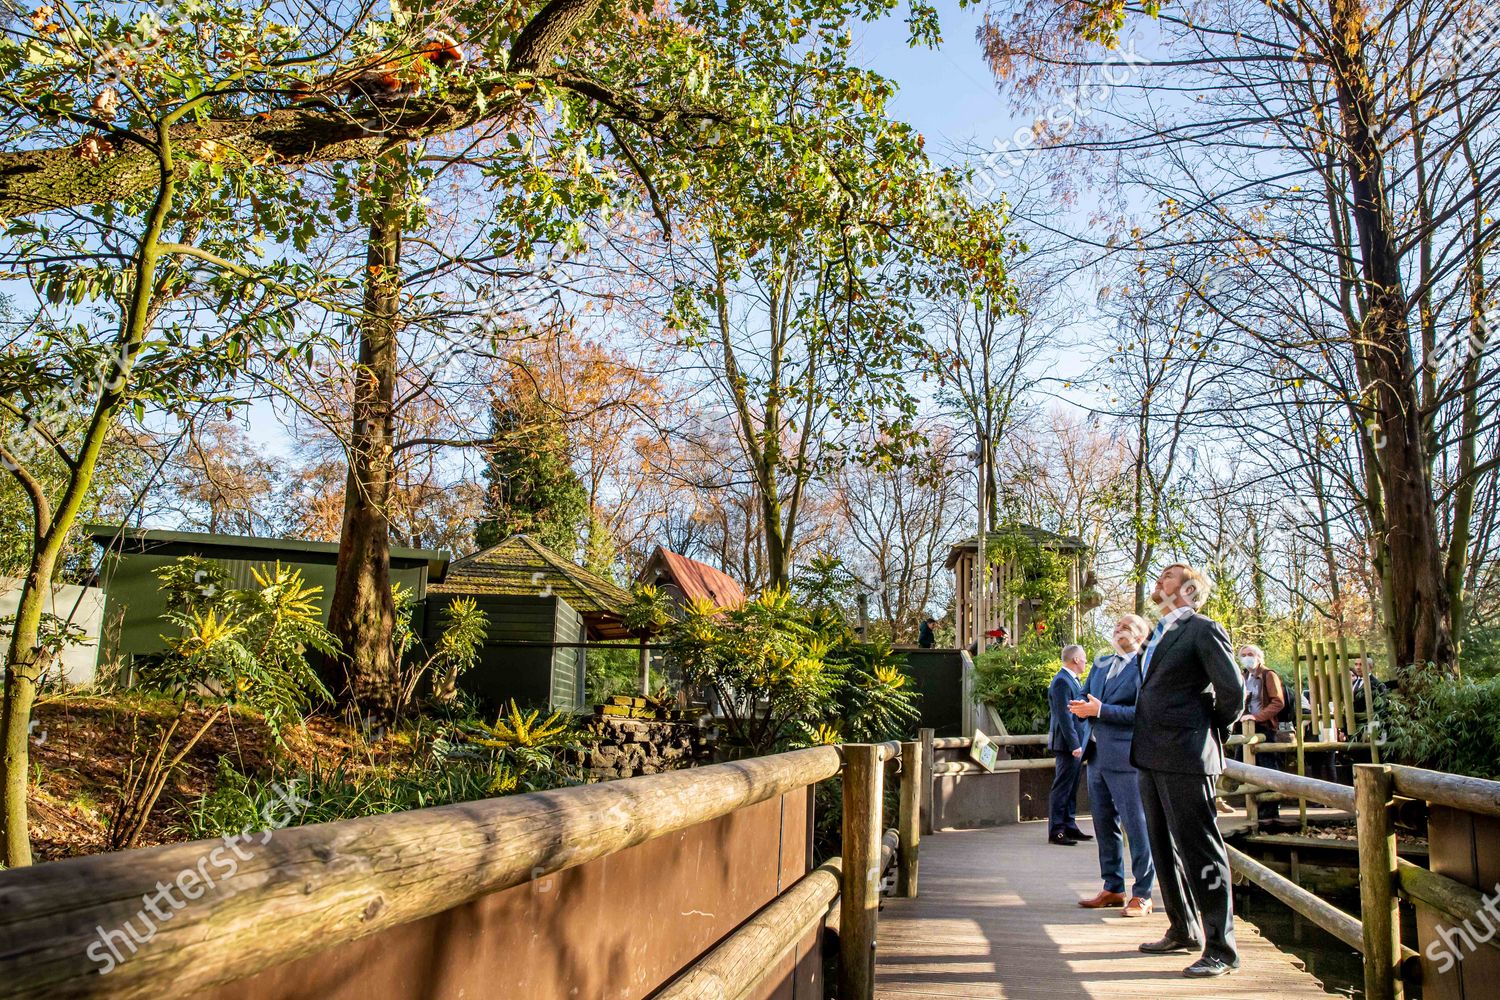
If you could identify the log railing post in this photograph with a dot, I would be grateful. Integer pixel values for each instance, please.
(859, 906)
(926, 736)
(907, 821)
(1379, 904)
(1252, 809)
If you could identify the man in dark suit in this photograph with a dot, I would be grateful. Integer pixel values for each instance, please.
(1191, 693)
(1114, 786)
(1065, 740)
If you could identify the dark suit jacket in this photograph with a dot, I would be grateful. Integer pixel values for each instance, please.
(1067, 732)
(1192, 693)
(1110, 733)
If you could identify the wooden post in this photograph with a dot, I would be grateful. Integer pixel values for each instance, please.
(1378, 903)
(645, 669)
(1252, 810)
(925, 798)
(859, 905)
(1315, 690)
(908, 821)
(1370, 725)
(1301, 737)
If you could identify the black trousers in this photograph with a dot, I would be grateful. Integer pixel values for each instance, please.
(1062, 812)
(1192, 867)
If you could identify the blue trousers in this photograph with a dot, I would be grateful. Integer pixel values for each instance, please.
(1063, 802)
(1115, 800)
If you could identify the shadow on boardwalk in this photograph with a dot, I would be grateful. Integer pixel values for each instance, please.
(998, 918)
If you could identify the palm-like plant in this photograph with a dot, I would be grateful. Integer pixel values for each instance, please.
(233, 647)
(525, 750)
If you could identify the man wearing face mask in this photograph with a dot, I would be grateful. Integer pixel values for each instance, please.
(1191, 693)
(1265, 697)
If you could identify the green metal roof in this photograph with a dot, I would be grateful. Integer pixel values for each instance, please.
(290, 549)
(520, 566)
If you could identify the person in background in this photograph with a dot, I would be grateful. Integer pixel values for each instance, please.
(925, 637)
(1114, 788)
(1368, 689)
(1265, 697)
(1065, 739)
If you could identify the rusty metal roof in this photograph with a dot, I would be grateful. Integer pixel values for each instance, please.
(693, 578)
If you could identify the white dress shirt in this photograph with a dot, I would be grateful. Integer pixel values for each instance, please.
(1163, 626)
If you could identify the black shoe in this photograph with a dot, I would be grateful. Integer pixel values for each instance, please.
(1208, 968)
(1062, 840)
(1078, 834)
(1170, 944)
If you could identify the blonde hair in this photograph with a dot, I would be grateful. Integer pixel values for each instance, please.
(1195, 585)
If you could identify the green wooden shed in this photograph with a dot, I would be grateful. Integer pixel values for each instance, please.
(134, 602)
(542, 609)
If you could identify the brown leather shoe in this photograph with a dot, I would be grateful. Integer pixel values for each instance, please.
(1137, 907)
(1105, 898)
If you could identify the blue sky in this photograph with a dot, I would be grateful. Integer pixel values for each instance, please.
(948, 93)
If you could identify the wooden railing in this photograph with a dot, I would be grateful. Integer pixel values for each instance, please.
(1384, 879)
(305, 890)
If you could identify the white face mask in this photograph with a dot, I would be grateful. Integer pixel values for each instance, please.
(1248, 662)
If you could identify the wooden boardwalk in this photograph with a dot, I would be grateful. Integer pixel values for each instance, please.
(998, 919)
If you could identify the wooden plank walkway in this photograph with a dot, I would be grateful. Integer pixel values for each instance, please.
(998, 919)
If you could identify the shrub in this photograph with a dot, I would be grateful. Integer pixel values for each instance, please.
(1013, 680)
(782, 674)
(522, 751)
(233, 647)
(324, 793)
(1446, 724)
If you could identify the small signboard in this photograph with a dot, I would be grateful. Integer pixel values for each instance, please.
(984, 751)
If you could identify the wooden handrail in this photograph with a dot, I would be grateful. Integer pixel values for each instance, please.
(1457, 791)
(1326, 792)
(1004, 740)
(1327, 916)
(737, 966)
(306, 889)
(1457, 901)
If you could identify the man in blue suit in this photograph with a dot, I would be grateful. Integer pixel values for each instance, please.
(1065, 739)
(1114, 789)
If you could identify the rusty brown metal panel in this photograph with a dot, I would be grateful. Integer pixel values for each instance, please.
(613, 929)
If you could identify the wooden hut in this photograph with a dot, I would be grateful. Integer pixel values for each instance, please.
(1002, 610)
(543, 609)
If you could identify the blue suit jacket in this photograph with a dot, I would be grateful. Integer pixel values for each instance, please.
(1112, 730)
(1067, 733)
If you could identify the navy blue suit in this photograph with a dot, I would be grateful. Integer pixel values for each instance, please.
(1066, 734)
(1114, 789)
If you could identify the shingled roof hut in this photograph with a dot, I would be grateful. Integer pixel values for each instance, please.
(543, 608)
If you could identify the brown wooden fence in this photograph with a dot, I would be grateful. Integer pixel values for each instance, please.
(1444, 905)
(692, 884)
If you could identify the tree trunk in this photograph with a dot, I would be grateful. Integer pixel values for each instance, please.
(22, 672)
(362, 613)
(1419, 628)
